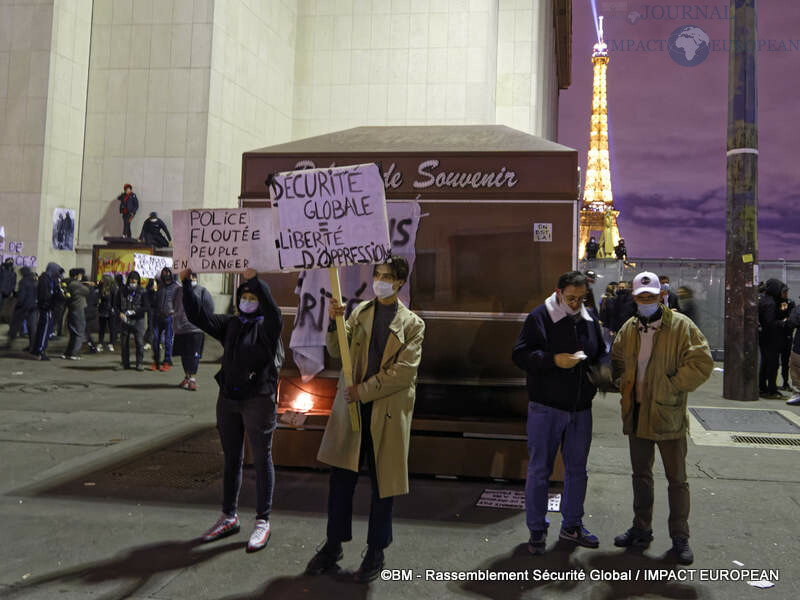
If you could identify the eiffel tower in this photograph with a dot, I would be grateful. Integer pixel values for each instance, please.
(598, 216)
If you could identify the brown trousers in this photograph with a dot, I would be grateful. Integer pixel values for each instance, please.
(673, 455)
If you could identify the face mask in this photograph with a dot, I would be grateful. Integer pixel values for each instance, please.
(248, 307)
(194, 283)
(133, 283)
(567, 308)
(647, 310)
(383, 289)
(665, 286)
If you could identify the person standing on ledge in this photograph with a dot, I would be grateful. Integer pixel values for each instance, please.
(128, 205)
(247, 401)
(385, 340)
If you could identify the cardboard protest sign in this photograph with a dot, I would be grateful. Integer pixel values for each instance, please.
(314, 289)
(149, 266)
(334, 217)
(224, 240)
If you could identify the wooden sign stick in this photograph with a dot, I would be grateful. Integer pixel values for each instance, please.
(344, 349)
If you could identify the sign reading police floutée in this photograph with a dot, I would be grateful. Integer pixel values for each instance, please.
(224, 240)
(334, 217)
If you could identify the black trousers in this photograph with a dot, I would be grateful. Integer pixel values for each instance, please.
(126, 225)
(43, 330)
(256, 417)
(786, 353)
(343, 487)
(19, 317)
(136, 329)
(109, 323)
(768, 372)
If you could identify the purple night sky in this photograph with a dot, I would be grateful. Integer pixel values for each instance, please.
(668, 125)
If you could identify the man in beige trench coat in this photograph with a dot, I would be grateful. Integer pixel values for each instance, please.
(385, 340)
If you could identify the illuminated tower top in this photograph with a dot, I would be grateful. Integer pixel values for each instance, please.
(597, 192)
(597, 196)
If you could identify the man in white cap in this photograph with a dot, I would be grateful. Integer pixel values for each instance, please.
(658, 357)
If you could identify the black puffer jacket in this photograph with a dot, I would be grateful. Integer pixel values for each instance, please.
(771, 327)
(252, 350)
(130, 299)
(26, 294)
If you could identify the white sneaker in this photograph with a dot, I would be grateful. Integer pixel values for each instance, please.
(794, 400)
(99, 348)
(148, 347)
(111, 347)
(224, 527)
(260, 536)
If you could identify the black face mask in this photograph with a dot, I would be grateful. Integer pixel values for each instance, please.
(168, 280)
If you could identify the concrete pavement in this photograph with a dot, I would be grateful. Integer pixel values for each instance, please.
(107, 477)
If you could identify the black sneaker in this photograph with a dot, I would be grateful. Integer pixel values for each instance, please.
(325, 559)
(772, 395)
(371, 566)
(579, 535)
(634, 537)
(681, 550)
(538, 542)
(42, 356)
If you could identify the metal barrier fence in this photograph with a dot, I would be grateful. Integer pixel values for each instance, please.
(705, 279)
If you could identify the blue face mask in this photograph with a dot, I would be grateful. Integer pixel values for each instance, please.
(248, 307)
(647, 310)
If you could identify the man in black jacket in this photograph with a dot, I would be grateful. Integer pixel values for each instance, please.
(248, 381)
(161, 313)
(8, 282)
(559, 341)
(130, 301)
(622, 308)
(669, 297)
(25, 310)
(155, 232)
(770, 339)
(48, 290)
(128, 205)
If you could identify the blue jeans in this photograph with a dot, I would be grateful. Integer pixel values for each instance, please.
(162, 326)
(547, 429)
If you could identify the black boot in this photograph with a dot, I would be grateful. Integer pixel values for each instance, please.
(325, 559)
(371, 566)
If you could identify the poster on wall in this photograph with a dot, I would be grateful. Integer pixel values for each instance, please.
(63, 229)
(116, 261)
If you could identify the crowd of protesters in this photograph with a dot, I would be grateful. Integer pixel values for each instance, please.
(103, 316)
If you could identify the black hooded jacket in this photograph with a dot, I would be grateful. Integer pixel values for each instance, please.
(155, 232)
(8, 278)
(252, 350)
(26, 294)
(49, 289)
(130, 301)
(771, 334)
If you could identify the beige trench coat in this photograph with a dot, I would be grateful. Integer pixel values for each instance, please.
(392, 392)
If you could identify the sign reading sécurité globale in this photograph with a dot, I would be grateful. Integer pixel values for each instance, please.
(334, 217)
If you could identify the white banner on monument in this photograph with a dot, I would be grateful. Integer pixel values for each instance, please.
(308, 333)
(334, 217)
(149, 266)
(224, 240)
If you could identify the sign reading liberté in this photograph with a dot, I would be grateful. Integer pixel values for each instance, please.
(334, 217)
(224, 240)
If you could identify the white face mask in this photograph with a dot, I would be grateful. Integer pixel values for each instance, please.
(567, 308)
(194, 283)
(247, 306)
(647, 310)
(382, 289)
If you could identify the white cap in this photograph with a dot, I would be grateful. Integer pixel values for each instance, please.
(646, 282)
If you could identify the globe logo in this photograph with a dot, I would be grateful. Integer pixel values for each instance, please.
(689, 46)
(634, 16)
